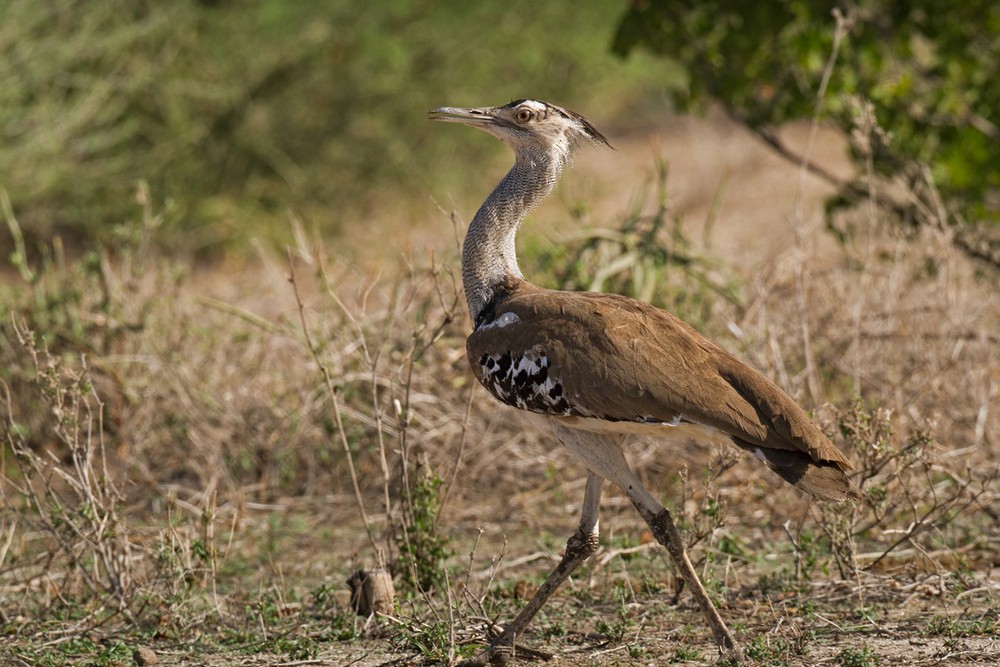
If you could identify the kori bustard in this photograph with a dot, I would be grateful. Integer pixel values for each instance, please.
(603, 366)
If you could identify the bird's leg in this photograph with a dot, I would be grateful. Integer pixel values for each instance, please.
(604, 456)
(665, 531)
(580, 546)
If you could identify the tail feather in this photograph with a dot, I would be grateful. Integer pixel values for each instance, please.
(823, 480)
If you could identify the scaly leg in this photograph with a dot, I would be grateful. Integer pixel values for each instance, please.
(603, 455)
(580, 546)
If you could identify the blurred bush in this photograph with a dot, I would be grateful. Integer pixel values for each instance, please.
(235, 112)
(921, 73)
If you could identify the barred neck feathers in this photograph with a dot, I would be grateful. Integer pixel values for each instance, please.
(543, 138)
(488, 254)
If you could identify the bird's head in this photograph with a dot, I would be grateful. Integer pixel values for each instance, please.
(529, 127)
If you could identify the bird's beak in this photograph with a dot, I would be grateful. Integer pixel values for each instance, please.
(474, 117)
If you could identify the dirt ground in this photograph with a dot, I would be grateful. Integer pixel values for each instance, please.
(901, 617)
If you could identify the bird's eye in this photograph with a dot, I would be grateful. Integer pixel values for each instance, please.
(523, 115)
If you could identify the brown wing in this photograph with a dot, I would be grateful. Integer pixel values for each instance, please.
(614, 358)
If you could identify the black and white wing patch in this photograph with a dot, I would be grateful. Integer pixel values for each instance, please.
(522, 379)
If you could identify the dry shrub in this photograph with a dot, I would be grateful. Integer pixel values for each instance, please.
(72, 507)
(187, 413)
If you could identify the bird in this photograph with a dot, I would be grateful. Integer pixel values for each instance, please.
(602, 367)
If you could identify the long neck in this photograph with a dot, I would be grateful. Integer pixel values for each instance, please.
(488, 254)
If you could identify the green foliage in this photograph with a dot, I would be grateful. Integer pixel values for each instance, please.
(342, 625)
(82, 651)
(114, 654)
(684, 654)
(551, 629)
(624, 627)
(422, 547)
(930, 80)
(432, 641)
(617, 629)
(296, 648)
(776, 650)
(858, 657)
(84, 303)
(984, 626)
(236, 111)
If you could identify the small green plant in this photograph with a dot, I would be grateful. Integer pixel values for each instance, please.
(422, 547)
(684, 654)
(343, 626)
(621, 627)
(553, 629)
(700, 522)
(634, 650)
(267, 610)
(432, 640)
(864, 656)
(650, 584)
(944, 626)
(296, 647)
(776, 650)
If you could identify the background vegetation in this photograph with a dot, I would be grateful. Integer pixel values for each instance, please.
(236, 112)
(914, 91)
(194, 464)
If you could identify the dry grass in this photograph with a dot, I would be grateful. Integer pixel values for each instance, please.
(196, 464)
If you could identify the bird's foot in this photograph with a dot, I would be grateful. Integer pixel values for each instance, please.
(492, 655)
(501, 651)
(731, 656)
